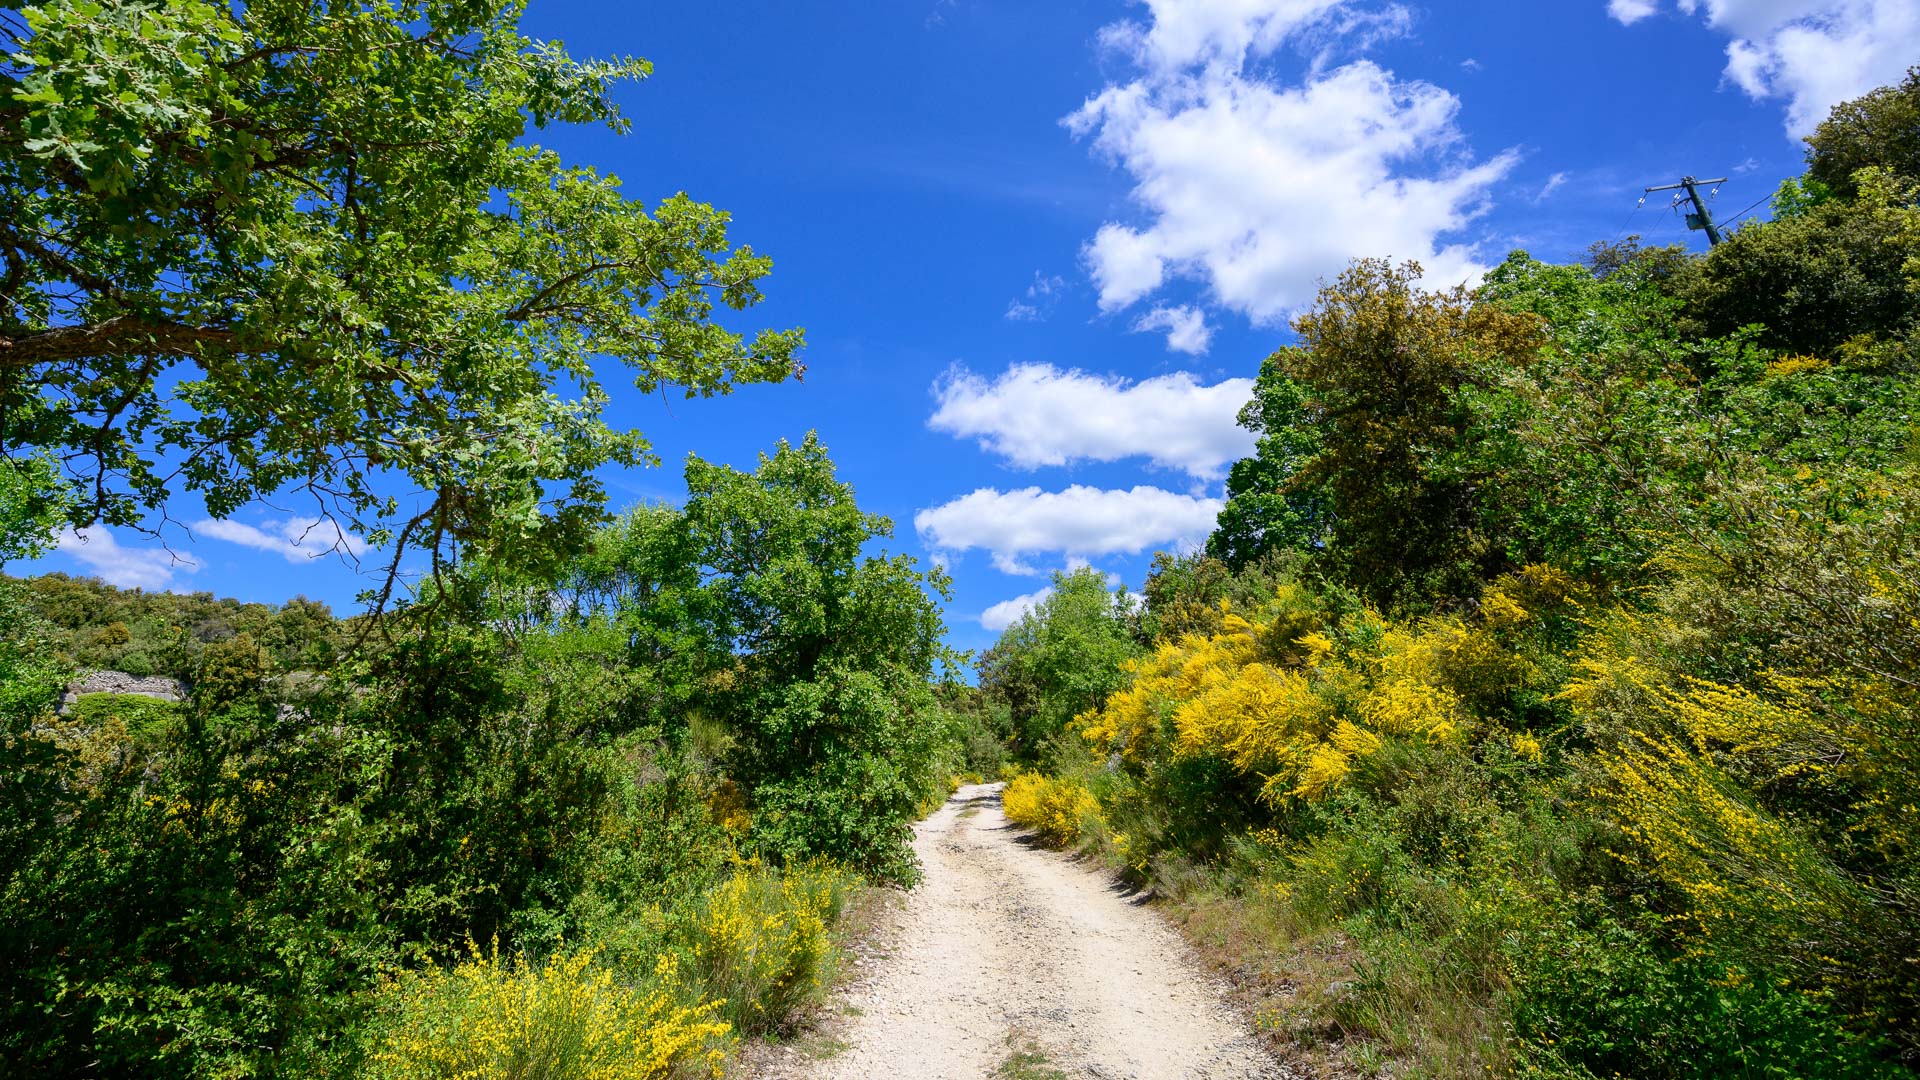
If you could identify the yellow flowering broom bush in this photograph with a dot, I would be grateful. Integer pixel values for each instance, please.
(1719, 791)
(758, 942)
(1293, 703)
(661, 996)
(1059, 810)
(569, 1017)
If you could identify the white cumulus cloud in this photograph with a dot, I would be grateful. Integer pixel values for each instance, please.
(1213, 33)
(1261, 188)
(1813, 53)
(1037, 415)
(1186, 327)
(297, 540)
(1632, 11)
(1083, 522)
(1007, 612)
(149, 568)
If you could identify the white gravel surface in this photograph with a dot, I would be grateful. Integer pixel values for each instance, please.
(1005, 945)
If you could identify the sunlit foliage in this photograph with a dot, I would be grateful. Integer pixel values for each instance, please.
(1562, 665)
(1061, 811)
(277, 250)
(566, 1018)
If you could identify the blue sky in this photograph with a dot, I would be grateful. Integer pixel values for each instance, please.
(1040, 248)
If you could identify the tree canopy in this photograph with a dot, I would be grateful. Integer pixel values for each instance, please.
(1060, 658)
(286, 248)
(1880, 128)
(756, 607)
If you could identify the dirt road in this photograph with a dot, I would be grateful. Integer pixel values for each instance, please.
(1006, 950)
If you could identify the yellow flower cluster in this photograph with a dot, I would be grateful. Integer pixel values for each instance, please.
(1279, 697)
(1740, 868)
(728, 805)
(1771, 729)
(1687, 771)
(568, 1018)
(1788, 366)
(762, 942)
(1056, 809)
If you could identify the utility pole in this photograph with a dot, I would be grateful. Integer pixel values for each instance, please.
(1699, 219)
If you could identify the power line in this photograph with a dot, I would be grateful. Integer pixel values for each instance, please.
(1700, 218)
(1622, 230)
(1743, 213)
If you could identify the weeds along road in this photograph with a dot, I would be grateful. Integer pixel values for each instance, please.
(1013, 961)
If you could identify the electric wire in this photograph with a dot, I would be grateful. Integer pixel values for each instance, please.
(1743, 213)
(1622, 230)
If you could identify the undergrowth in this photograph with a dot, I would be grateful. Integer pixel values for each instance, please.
(665, 999)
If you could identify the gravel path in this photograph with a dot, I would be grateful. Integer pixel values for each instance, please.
(1007, 947)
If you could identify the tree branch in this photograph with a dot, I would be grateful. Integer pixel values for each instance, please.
(119, 334)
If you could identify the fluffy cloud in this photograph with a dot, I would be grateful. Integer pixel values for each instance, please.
(1187, 329)
(1813, 53)
(130, 568)
(1261, 189)
(1082, 522)
(1215, 34)
(1037, 414)
(1631, 11)
(298, 540)
(1007, 612)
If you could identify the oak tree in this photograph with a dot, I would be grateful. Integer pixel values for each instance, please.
(286, 248)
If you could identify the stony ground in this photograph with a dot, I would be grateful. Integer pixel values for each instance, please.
(1012, 961)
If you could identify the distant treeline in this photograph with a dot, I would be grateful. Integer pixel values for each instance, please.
(97, 626)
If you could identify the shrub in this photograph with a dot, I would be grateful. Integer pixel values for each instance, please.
(143, 718)
(1596, 996)
(757, 944)
(565, 1018)
(1061, 811)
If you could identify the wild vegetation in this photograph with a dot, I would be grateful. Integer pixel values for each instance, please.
(586, 796)
(622, 809)
(1545, 702)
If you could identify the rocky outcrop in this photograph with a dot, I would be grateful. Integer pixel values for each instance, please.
(119, 682)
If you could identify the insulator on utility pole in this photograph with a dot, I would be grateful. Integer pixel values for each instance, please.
(1699, 219)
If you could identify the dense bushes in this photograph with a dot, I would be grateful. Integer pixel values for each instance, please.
(677, 759)
(1559, 672)
(660, 996)
(1484, 800)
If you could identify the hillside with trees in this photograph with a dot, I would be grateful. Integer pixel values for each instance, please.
(587, 790)
(1544, 702)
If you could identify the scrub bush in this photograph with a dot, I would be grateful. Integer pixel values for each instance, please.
(568, 1017)
(1061, 811)
(757, 944)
